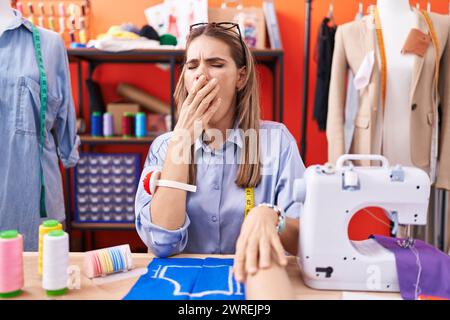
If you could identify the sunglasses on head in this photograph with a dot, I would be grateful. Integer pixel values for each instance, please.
(224, 26)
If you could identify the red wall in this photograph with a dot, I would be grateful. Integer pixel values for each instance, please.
(291, 17)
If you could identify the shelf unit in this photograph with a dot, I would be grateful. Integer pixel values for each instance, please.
(272, 59)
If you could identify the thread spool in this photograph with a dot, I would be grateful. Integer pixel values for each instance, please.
(99, 263)
(82, 33)
(55, 263)
(108, 128)
(96, 124)
(11, 264)
(45, 228)
(351, 179)
(140, 125)
(127, 124)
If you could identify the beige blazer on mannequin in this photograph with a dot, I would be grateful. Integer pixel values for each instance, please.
(353, 42)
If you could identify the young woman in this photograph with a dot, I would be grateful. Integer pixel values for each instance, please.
(237, 162)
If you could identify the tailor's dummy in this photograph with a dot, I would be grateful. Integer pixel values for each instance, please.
(397, 20)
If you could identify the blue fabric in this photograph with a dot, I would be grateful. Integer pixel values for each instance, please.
(187, 279)
(214, 214)
(19, 129)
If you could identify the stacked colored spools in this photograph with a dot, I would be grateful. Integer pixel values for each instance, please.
(11, 264)
(45, 228)
(132, 125)
(55, 262)
(107, 261)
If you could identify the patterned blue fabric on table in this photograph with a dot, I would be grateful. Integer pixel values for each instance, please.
(188, 279)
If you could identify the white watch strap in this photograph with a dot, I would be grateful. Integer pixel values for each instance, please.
(176, 185)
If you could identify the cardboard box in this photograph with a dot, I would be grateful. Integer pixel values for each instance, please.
(250, 19)
(117, 110)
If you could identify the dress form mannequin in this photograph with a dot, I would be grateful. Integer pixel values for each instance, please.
(6, 15)
(397, 19)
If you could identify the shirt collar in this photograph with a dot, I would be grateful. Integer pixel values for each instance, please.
(234, 136)
(18, 21)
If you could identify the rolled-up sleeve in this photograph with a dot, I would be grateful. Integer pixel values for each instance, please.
(65, 124)
(162, 242)
(291, 168)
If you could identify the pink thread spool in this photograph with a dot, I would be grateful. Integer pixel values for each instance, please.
(11, 264)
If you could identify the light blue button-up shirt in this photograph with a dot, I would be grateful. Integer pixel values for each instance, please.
(20, 124)
(214, 214)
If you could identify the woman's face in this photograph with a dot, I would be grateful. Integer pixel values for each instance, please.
(212, 58)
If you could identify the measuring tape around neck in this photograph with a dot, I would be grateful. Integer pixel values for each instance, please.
(249, 200)
(382, 50)
(43, 100)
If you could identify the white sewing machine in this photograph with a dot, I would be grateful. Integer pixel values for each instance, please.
(331, 196)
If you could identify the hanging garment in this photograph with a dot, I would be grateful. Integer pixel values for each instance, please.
(325, 47)
(354, 41)
(422, 270)
(20, 106)
(351, 105)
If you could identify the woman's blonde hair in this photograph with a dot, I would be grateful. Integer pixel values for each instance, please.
(247, 113)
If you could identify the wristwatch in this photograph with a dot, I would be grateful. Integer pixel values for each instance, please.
(281, 225)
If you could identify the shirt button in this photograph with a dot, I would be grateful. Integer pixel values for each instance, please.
(414, 107)
(214, 219)
(216, 187)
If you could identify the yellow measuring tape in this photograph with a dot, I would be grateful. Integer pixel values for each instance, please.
(249, 200)
(382, 50)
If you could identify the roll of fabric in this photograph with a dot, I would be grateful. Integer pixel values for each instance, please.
(168, 40)
(142, 98)
(149, 32)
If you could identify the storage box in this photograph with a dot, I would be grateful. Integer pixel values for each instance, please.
(117, 110)
(250, 19)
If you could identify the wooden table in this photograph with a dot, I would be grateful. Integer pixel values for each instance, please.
(117, 290)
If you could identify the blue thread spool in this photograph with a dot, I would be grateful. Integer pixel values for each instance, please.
(140, 125)
(108, 128)
(96, 124)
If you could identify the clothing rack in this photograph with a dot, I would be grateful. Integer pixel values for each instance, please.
(435, 231)
(306, 78)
